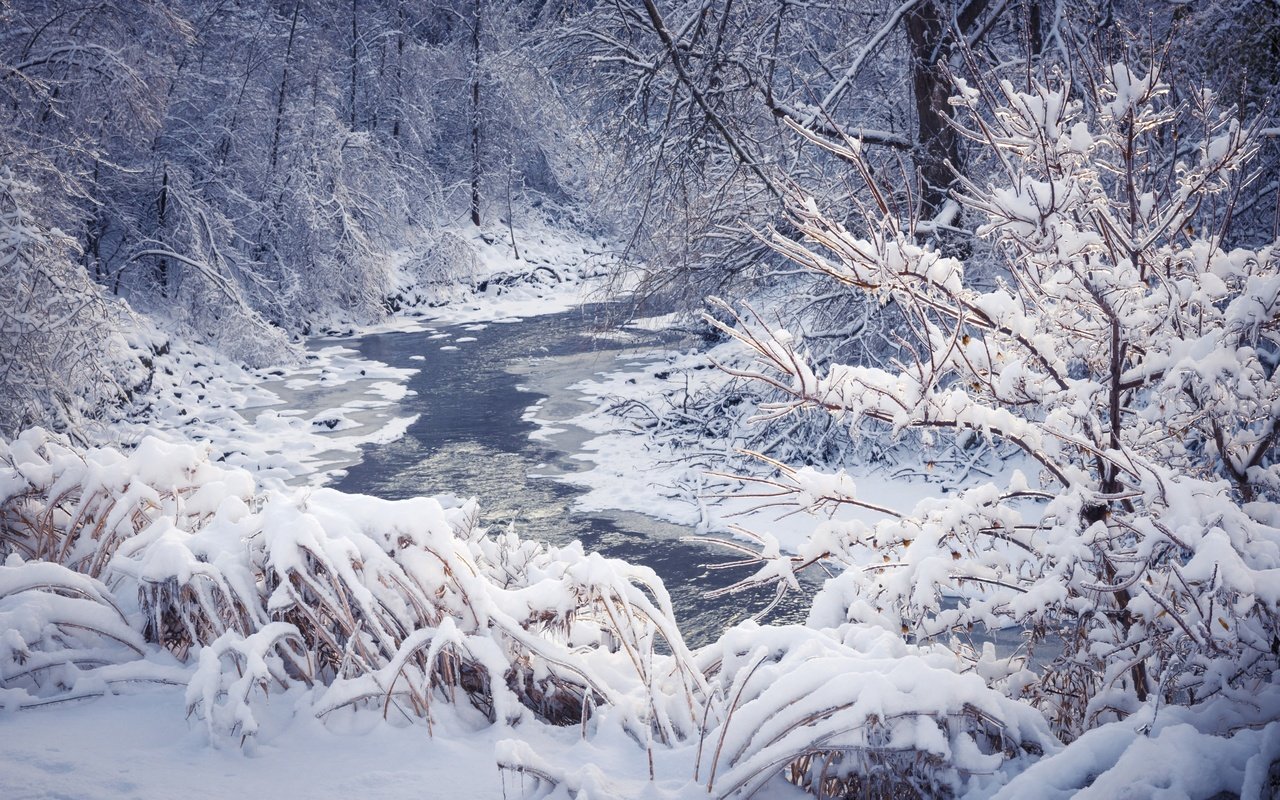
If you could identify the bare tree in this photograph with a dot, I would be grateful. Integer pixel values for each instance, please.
(707, 98)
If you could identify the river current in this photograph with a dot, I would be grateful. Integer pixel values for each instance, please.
(471, 439)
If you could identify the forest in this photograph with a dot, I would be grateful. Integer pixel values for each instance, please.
(977, 312)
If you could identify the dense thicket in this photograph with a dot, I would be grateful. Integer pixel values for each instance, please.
(248, 170)
(707, 98)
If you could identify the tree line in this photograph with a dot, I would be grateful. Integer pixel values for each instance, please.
(249, 169)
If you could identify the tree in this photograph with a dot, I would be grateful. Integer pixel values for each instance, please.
(476, 68)
(1126, 354)
(705, 99)
(64, 357)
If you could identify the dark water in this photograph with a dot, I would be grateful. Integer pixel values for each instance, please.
(471, 440)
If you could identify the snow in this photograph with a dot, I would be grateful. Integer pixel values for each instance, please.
(556, 271)
(139, 745)
(1127, 89)
(859, 691)
(627, 471)
(248, 418)
(1154, 754)
(402, 583)
(130, 738)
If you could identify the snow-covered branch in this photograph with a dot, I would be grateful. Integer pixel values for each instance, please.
(1128, 356)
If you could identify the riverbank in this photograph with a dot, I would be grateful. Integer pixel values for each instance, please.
(303, 424)
(306, 421)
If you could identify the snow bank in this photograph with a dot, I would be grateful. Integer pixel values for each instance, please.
(473, 275)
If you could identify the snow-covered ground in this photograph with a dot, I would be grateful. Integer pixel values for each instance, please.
(651, 470)
(141, 746)
(264, 420)
(302, 424)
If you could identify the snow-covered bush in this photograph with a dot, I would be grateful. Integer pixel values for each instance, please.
(436, 271)
(1127, 354)
(53, 622)
(63, 354)
(854, 712)
(451, 260)
(384, 604)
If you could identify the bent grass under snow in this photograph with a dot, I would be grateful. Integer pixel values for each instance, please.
(275, 606)
(158, 566)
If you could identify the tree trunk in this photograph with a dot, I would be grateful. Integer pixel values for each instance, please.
(355, 38)
(162, 210)
(476, 116)
(1035, 36)
(280, 96)
(398, 110)
(937, 147)
(93, 231)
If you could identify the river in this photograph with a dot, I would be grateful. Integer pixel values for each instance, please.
(471, 440)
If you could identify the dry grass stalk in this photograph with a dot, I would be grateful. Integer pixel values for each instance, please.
(386, 604)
